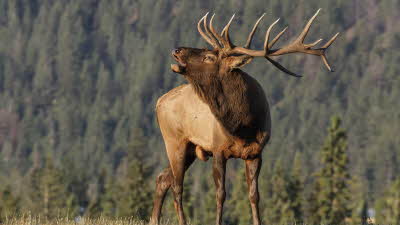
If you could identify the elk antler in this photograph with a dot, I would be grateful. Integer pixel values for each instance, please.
(212, 37)
(297, 46)
(209, 38)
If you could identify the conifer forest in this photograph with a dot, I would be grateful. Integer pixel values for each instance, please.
(79, 80)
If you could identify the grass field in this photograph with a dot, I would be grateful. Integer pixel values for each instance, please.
(31, 220)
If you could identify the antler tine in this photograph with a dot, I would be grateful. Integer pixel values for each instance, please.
(266, 49)
(325, 60)
(313, 44)
(205, 25)
(326, 46)
(330, 41)
(205, 36)
(209, 33)
(212, 27)
(249, 39)
(304, 33)
(216, 35)
(225, 33)
(277, 38)
(227, 25)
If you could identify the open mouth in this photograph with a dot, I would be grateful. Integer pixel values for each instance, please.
(180, 67)
(178, 60)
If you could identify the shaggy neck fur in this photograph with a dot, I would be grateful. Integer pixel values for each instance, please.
(227, 97)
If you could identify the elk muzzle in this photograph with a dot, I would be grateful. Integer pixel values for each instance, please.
(180, 67)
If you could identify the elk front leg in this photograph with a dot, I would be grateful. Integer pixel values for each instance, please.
(163, 183)
(180, 161)
(177, 187)
(219, 168)
(253, 167)
(166, 180)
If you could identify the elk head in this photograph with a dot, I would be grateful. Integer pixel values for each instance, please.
(225, 56)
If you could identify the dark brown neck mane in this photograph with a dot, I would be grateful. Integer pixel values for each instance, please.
(228, 98)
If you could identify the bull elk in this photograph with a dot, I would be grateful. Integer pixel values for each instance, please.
(222, 113)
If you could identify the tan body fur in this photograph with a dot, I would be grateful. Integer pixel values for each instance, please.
(183, 117)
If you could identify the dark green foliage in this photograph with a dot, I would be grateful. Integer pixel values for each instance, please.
(277, 203)
(209, 204)
(358, 203)
(49, 194)
(238, 205)
(98, 196)
(189, 197)
(129, 194)
(132, 195)
(331, 188)
(9, 203)
(388, 207)
(295, 190)
(284, 205)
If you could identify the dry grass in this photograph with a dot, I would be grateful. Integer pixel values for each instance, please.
(37, 220)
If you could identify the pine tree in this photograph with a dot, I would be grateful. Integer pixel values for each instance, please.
(279, 210)
(331, 188)
(295, 190)
(107, 201)
(9, 203)
(312, 217)
(284, 196)
(96, 193)
(133, 195)
(364, 217)
(359, 203)
(49, 193)
(388, 207)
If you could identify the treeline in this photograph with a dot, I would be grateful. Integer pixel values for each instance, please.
(335, 196)
(50, 191)
(79, 81)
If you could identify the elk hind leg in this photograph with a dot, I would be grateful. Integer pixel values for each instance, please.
(219, 169)
(253, 167)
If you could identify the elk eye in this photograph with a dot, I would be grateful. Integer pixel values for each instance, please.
(208, 59)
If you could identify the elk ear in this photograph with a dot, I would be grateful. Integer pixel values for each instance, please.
(234, 62)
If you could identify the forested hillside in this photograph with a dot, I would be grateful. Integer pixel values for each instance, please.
(79, 80)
